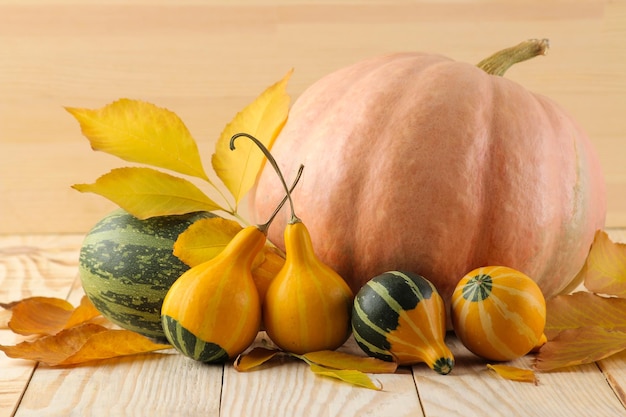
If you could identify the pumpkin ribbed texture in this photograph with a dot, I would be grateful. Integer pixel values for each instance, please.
(418, 162)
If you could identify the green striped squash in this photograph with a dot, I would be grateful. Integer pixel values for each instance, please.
(399, 316)
(126, 267)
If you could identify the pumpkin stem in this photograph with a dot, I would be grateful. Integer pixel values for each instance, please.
(272, 161)
(498, 63)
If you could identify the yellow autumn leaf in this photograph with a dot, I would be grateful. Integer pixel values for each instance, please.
(263, 119)
(204, 239)
(580, 346)
(341, 360)
(347, 375)
(604, 271)
(141, 132)
(146, 192)
(514, 373)
(583, 309)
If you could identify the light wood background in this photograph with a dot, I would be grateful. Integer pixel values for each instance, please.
(206, 59)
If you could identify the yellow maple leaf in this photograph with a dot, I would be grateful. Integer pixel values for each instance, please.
(263, 119)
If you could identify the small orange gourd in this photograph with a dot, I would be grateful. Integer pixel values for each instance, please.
(498, 313)
(307, 305)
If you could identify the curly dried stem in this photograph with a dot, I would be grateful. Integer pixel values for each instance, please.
(272, 161)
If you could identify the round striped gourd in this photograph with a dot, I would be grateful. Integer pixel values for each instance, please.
(400, 316)
(498, 313)
(126, 267)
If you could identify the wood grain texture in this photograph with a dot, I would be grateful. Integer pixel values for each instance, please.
(286, 387)
(35, 265)
(206, 59)
(474, 390)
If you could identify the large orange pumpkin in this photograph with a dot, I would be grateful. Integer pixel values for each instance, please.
(417, 162)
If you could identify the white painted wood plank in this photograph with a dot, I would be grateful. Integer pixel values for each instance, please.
(150, 385)
(287, 387)
(473, 390)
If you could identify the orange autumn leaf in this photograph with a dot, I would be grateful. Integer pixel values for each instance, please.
(48, 315)
(256, 357)
(341, 360)
(513, 373)
(582, 309)
(580, 346)
(40, 316)
(84, 312)
(604, 271)
(81, 344)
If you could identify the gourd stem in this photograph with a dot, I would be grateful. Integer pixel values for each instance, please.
(263, 227)
(498, 63)
(272, 161)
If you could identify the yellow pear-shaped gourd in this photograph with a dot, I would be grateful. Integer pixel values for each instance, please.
(307, 305)
(212, 312)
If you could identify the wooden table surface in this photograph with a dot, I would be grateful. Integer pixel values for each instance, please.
(205, 60)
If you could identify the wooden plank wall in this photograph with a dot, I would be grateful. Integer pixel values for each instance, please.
(206, 59)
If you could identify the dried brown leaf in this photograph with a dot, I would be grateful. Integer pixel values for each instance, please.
(256, 357)
(605, 268)
(582, 309)
(40, 316)
(580, 346)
